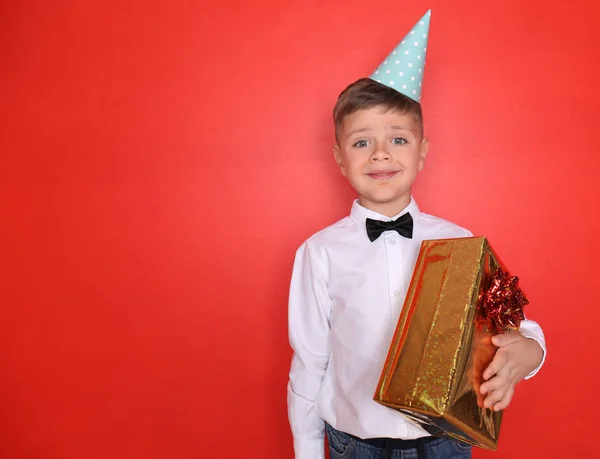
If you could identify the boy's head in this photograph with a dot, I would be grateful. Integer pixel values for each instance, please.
(380, 146)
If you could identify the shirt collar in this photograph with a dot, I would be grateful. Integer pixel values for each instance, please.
(359, 214)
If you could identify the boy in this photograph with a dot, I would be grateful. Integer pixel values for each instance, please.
(350, 279)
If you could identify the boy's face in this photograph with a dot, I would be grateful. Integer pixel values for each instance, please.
(380, 153)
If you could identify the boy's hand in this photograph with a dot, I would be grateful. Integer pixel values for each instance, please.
(516, 357)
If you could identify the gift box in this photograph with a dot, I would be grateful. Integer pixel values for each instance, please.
(460, 295)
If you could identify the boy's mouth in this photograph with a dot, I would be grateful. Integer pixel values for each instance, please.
(382, 175)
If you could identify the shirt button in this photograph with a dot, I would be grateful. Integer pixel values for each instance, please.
(392, 241)
(397, 293)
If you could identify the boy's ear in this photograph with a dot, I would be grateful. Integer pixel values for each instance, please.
(337, 154)
(423, 153)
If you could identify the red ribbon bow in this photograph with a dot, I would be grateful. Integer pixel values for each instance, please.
(502, 303)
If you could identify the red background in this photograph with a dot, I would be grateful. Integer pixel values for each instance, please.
(161, 162)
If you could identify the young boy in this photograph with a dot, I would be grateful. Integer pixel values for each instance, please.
(350, 279)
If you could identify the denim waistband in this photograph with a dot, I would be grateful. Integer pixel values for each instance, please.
(394, 443)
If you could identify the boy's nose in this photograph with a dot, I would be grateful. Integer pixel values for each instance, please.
(380, 154)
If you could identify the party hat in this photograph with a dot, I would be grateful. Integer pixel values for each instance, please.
(403, 69)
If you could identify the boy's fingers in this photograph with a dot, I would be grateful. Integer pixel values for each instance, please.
(495, 366)
(495, 396)
(491, 370)
(492, 385)
(503, 404)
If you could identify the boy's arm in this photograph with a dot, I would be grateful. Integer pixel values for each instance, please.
(520, 355)
(309, 309)
(532, 330)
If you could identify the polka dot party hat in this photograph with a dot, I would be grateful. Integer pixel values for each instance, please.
(403, 69)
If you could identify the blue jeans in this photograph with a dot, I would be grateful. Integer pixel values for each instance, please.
(343, 446)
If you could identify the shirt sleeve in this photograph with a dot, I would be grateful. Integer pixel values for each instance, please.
(308, 316)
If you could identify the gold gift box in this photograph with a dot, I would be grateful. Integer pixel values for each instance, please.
(440, 349)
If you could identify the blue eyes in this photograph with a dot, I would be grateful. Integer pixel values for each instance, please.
(366, 143)
(361, 144)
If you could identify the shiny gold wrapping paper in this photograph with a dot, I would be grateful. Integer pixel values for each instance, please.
(439, 351)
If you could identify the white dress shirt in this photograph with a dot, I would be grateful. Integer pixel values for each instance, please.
(346, 295)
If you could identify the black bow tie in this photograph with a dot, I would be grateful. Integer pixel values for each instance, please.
(403, 224)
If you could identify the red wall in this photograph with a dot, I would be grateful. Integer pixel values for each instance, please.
(161, 161)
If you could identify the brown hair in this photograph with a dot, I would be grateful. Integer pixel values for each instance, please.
(367, 93)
